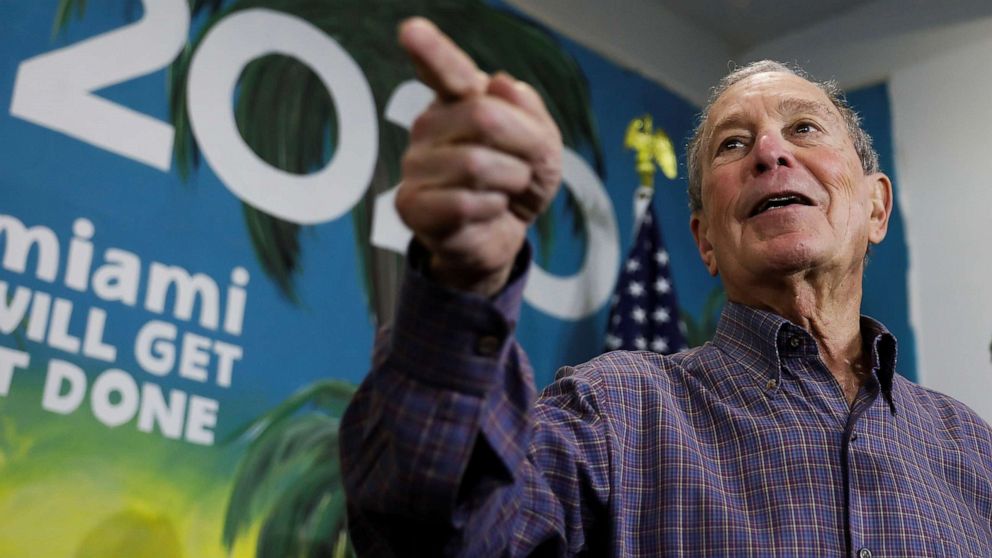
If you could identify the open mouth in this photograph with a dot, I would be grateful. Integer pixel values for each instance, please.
(779, 200)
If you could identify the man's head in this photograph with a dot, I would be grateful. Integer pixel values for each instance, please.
(783, 179)
(859, 137)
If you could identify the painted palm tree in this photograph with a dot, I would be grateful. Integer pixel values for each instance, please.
(286, 116)
(288, 482)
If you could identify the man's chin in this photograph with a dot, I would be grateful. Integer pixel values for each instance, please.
(785, 258)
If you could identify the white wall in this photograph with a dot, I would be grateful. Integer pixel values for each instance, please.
(942, 112)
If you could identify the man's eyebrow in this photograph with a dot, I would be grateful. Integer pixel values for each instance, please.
(786, 106)
(794, 106)
(734, 120)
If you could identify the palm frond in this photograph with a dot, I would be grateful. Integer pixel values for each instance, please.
(277, 246)
(63, 14)
(308, 519)
(199, 6)
(329, 396)
(289, 477)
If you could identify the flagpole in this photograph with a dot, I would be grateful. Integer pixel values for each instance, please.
(644, 312)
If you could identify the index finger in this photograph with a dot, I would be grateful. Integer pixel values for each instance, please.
(520, 94)
(443, 66)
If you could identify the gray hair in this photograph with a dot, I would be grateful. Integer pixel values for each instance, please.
(860, 138)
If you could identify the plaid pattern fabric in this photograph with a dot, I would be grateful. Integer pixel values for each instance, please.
(742, 447)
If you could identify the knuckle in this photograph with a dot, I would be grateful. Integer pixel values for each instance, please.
(421, 125)
(404, 198)
(554, 136)
(474, 163)
(409, 162)
(483, 115)
(461, 207)
(416, 160)
(530, 93)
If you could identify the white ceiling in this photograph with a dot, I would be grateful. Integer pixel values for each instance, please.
(746, 24)
(743, 24)
(686, 44)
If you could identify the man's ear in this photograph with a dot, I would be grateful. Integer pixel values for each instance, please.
(881, 206)
(700, 229)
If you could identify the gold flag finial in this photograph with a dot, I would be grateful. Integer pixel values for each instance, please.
(651, 146)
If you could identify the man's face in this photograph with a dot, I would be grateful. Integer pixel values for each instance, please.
(782, 186)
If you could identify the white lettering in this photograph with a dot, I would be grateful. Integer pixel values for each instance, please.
(188, 289)
(194, 357)
(80, 255)
(54, 399)
(55, 89)
(200, 420)
(154, 410)
(234, 310)
(108, 412)
(58, 331)
(227, 354)
(154, 347)
(93, 344)
(118, 278)
(213, 80)
(582, 294)
(38, 320)
(10, 360)
(20, 240)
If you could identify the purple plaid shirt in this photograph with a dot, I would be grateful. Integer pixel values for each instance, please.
(743, 447)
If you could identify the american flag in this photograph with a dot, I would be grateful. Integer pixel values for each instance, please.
(644, 314)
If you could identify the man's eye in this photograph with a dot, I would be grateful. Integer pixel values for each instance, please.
(806, 128)
(730, 143)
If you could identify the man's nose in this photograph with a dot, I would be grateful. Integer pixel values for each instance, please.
(770, 152)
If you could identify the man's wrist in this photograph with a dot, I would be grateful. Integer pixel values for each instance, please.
(419, 260)
(483, 284)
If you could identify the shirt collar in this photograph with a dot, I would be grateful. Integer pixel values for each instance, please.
(884, 351)
(759, 340)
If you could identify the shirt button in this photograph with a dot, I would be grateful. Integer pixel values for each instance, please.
(771, 384)
(864, 553)
(854, 437)
(487, 345)
(794, 342)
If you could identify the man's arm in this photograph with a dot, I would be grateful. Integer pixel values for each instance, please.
(440, 451)
(443, 452)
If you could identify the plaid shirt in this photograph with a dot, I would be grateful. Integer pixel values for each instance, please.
(743, 447)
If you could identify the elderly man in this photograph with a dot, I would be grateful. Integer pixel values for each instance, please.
(788, 435)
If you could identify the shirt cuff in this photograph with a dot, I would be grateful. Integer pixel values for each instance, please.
(453, 339)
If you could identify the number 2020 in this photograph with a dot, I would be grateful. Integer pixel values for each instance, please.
(55, 90)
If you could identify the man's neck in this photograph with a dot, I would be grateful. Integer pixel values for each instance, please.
(829, 310)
